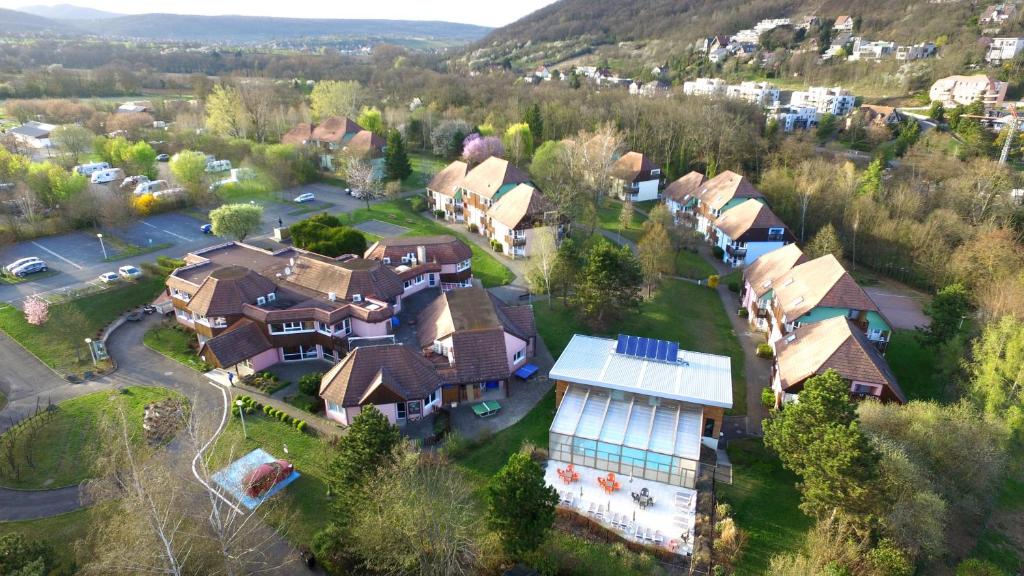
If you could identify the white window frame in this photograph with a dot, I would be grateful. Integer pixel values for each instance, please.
(289, 327)
(519, 356)
(306, 352)
(324, 328)
(432, 397)
(464, 265)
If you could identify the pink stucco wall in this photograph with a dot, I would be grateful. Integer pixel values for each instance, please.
(362, 328)
(266, 359)
(512, 345)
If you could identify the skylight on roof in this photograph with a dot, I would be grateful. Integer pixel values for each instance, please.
(799, 300)
(787, 282)
(766, 284)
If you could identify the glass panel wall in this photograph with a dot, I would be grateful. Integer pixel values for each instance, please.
(623, 460)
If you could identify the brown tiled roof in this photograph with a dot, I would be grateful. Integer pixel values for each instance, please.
(227, 288)
(518, 204)
(442, 249)
(837, 344)
(633, 167)
(365, 143)
(721, 189)
(820, 282)
(747, 216)
(380, 374)
(241, 341)
(334, 129)
(445, 181)
(359, 276)
(298, 135)
(685, 187)
(490, 175)
(517, 320)
(763, 272)
(479, 355)
(456, 310)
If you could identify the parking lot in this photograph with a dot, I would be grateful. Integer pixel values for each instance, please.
(173, 228)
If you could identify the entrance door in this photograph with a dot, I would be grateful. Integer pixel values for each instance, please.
(709, 427)
(401, 411)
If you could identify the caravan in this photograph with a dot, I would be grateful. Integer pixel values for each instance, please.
(88, 169)
(151, 187)
(108, 175)
(218, 166)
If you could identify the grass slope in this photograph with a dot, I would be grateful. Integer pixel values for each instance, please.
(485, 266)
(765, 504)
(64, 533)
(913, 363)
(64, 445)
(175, 344)
(55, 342)
(681, 311)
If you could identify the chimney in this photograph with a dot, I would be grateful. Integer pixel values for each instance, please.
(421, 254)
(332, 296)
(287, 271)
(291, 261)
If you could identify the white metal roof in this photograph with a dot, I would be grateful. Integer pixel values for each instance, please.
(694, 377)
(634, 420)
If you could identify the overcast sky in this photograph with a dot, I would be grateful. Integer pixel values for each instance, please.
(482, 12)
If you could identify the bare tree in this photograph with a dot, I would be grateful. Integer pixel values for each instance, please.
(544, 253)
(259, 104)
(361, 177)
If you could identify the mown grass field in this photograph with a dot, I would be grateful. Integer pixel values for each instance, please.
(62, 445)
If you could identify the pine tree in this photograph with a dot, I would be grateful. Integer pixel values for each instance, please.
(396, 162)
(521, 506)
(536, 122)
(826, 241)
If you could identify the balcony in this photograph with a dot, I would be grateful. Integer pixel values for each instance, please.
(515, 240)
(736, 252)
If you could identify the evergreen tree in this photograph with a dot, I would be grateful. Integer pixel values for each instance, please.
(396, 161)
(520, 505)
(826, 241)
(536, 123)
(608, 285)
(871, 180)
(947, 311)
(370, 440)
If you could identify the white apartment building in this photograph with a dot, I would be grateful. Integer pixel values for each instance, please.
(770, 24)
(792, 117)
(953, 90)
(761, 93)
(835, 100)
(1003, 49)
(866, 50)
(705, 87)
(916, 52)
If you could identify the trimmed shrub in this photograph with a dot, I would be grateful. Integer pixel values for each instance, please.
(473, 228)
(717, 252)
(439, 214)
(768, 397)
(300, 425)
(267, 410)
(764, 350)
(418, 203)
(734, 286)
(309, 384)
(743, 313)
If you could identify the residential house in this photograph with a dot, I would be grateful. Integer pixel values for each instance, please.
(720, 194)
(790, 118)
(636, 177)
(747, 231)
(638, 407)
(394, 378)
(747, 36)
(879, 115)
(402, 252)
(822, 289)
(866, 50)
(475, 342)
(484, 185)
(704, 87)
(1003, 49)
(517, 217)
(33, 134)
(718, 55)
(444, 194)
(136, 106)
(916, 52)
(833, 344)
(649, 89)
(681, 195)
(954, 90)
(843, 23)
(998, 14)
(335, 135)
(759, 279)
(251, 308)
(835, 100)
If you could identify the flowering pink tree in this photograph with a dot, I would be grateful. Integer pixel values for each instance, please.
(37, 310)
(477, 148)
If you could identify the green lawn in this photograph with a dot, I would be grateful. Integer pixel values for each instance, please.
(693, 265)
(485, 459)
(485, 266)
(913, 363)
(681, 311)
(65, 442)
(765, 504)
(56, 341)
(305, 508)
(176, 344)
(608, 218)
(64, 533)
(424, 167)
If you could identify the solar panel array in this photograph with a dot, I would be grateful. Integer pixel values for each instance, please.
(649, 348)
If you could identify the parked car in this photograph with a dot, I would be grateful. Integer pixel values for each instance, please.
(206, 228)
(133, 316)
(129, 272)
(132, 182)
(307, 197)
(148, 309)
(21, 262)
(163, 157)
(104, 176)
(30, 268)
(108, 277)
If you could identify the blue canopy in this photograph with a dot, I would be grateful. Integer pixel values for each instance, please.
(526, 371)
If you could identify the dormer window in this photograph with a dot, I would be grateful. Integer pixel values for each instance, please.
(271, 297)
(798, 301)
(261, 301)
(787, 282)
(387, 260)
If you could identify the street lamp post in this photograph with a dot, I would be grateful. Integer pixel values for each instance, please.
(241, 414)
(92, 352)
(102, 247)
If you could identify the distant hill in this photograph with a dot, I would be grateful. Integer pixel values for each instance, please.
(659, 28)
(12, 21)
(67, 12)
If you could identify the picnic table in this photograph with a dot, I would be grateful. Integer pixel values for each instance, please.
(486, 408)
(526, 371)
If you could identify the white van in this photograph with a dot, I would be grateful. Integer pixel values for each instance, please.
(108, 175)
(151, 187)
(239, 174)
(218, 166)
(88, 169)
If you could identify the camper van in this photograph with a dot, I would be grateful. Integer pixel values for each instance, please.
(88, 169)
(104, 176)
(218, 166)
(151, 187)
